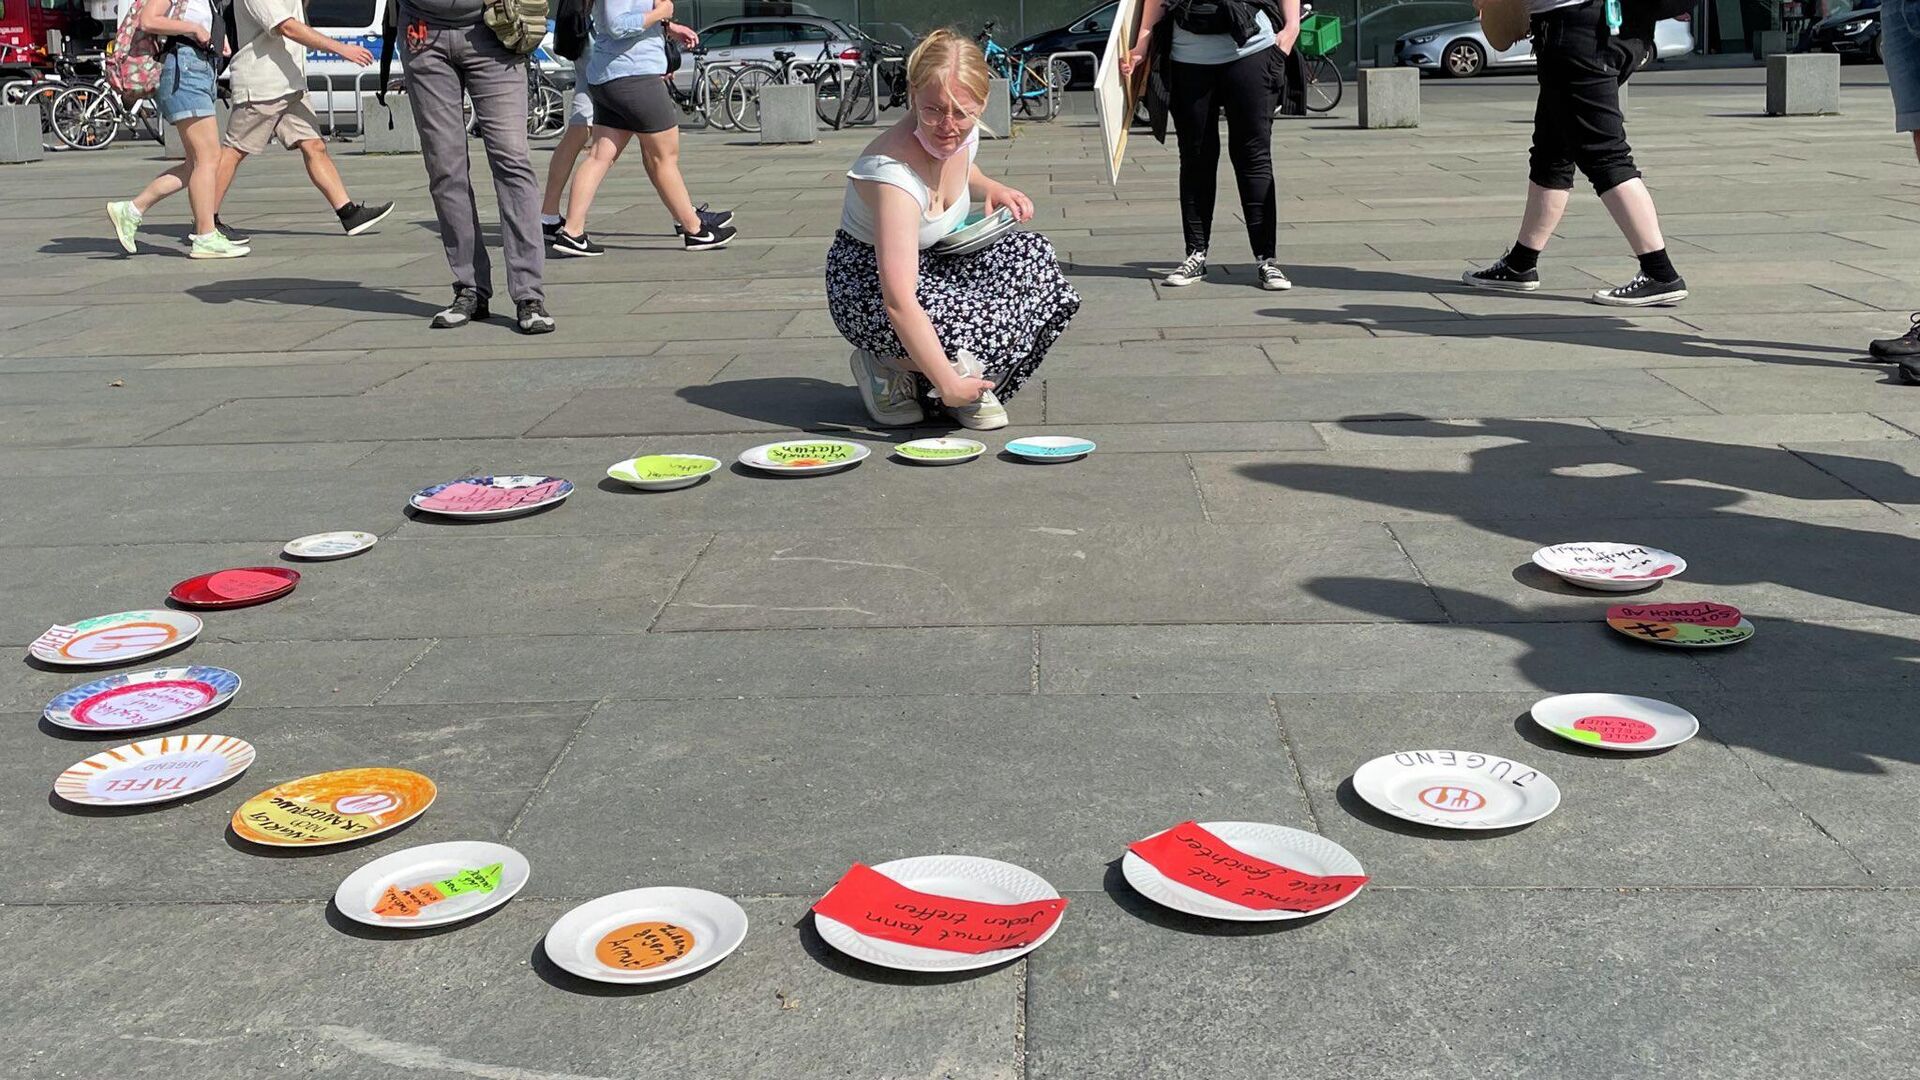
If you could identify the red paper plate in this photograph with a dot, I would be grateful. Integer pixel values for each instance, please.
(236, 588)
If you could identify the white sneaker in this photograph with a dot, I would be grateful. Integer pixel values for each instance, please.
(887, 394)
(1272, 278)
(1192, 269)
(987, 413)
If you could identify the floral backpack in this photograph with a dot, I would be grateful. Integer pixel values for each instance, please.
(133, 63)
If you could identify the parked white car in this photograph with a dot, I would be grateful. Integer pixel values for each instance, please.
(1460, 50)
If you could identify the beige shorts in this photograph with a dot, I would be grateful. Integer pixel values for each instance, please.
(255, 123)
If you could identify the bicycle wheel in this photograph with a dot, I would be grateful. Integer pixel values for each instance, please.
(1060, 74)
(546, 112)
(43, 98)
(710, 97)
(469, 119)
(829, 89)
(84, 118)
(859, 97)
(743, 96)
(1323, 84)
(15, 91)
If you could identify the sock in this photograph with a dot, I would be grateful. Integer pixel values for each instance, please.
(135, 211)
(1657, 267)
(1522, 258)
(551, 219)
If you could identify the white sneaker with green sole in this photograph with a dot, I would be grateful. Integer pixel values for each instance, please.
(887, 394)
(986, 414)
(216, 246)
(126, 222)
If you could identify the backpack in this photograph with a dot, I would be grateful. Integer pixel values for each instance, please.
(133, 64)
(572, 26)
(521, 25)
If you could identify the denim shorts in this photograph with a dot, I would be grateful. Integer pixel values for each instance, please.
(1900, 44)
(186, 85)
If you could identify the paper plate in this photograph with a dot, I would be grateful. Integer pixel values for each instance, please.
(945, 451)
(647, 935)
(120, 638)
(432, 885)
(239, 587)
(664, 472)
(154, 770)
(485, 497)
(1700, 625)
(966, 877)
(1309, 853)
(804, 456)
(330, 545)
(143, 699)
(1456, 789)
(976, 233)
(1615, 721)
(333, 807)
(1050, 447)
(1609, 567)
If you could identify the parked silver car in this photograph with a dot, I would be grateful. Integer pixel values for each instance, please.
(757, 37)
(1460, 50)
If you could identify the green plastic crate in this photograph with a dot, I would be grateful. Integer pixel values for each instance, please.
(1320, 34)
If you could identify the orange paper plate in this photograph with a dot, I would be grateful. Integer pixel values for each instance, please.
(333, 807)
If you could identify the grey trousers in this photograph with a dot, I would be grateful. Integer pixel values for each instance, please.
(439, 65)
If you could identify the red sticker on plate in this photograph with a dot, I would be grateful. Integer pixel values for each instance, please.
(1698, 614)
(1200, 860)
(144, 703)
(873, 904)
(1616, 729)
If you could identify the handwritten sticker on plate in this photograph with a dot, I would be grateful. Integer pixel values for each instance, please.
(642, 945)
(1697, 614)
(1611, 729)
(144, 703)
(399, 903)
(465, 496)
(874, 904)
(1196, 858)
(799, 455)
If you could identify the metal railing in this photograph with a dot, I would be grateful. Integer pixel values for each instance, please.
(1053, 109)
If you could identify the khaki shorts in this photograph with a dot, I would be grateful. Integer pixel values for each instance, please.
(255, 123)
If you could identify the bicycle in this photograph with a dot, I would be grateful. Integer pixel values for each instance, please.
(707, 99)
(546, 104)
(44, 90)
(92, 115)
(743, 88)
(1035, 85)
(845, 101)
(1319, 36)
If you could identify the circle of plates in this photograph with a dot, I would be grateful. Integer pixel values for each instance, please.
(485, 498)
(1698, 625)
(664, 472)
(119, 638)
(609, 939)
(337, 807)
(1051, 447)
(1615, 721)
(1609, 567)
(1456, 789)
(418, 869)
(1295, 849)
(804, 456)
(241, 586)
(941, 451)
(143, 699)
(154, 770)
(964, 877)
(319, 547)
(976, 235)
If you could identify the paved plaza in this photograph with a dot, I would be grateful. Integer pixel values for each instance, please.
(1302, 543)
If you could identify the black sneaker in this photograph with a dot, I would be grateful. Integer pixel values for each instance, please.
(565, 243)
(229, 231)
(716, 236)
(1503, 277)
(1643, 291)
(1904, 347)
(549, 228)
(357, 218)
(532, 317)
(709, 220)
(467, 306)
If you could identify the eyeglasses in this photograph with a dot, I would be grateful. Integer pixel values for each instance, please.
(934, 116)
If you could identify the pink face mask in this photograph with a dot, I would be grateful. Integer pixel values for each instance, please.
(932, 151)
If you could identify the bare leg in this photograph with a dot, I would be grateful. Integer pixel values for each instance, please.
(200, 136)
(1916, 144)
(321, 170)
(560, 165)
(1631, 205)
(230, 160)
(660, 153)
(1544, 209)
(167, 183)
(607, 144)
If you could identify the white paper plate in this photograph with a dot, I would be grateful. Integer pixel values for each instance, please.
(1615, 721)
(1456, 789)
(629, 925)
(120, 638)
(155, 770)
(1309, 853)
(1051, 447)
(664, 472)
(976, 235)
(942, 451)
(429, 864)
(329, 545)
(1609, 567)
(804, 456)
(143, 699)
(965, 877)
(424, 499)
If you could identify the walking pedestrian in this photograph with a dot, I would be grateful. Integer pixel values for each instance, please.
(1214, 57)
(968, 329)
(1900, 45)
(626, 72)
(269, 80)
(185, 99)
(566, 154)
(451, 54)
(1583, 59)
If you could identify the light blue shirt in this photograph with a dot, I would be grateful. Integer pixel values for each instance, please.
(622, 44)
(1191, 48)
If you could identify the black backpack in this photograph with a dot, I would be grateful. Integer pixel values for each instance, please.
(572, 25)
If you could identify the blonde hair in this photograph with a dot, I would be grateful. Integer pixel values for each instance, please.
(948, 53)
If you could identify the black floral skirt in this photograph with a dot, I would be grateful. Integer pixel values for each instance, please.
(1006, 305)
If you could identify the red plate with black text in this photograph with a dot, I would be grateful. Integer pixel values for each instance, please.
(238, 587)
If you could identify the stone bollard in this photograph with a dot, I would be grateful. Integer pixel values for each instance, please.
(172, 148)
(997, 121)
(389, 128)
(19, 134)
(787, 113)
(1389, 97)
(1803, 84)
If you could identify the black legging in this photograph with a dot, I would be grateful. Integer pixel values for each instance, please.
(1246, 90)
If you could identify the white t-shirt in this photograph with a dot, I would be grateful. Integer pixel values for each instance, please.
(267, 66)
(197, 12)
(856, 217)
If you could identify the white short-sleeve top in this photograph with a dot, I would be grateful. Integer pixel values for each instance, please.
(856, 217)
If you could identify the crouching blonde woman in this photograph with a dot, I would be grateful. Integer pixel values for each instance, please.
(967, 330)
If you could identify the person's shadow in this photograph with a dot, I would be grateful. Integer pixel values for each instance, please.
(349, 297)
(797, 403)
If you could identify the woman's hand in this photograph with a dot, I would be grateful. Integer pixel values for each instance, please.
(1285, 39)
(962, 391)
(685, 35)
(1002, 196)
(662, 11)
(1135, 59)
(203, 35)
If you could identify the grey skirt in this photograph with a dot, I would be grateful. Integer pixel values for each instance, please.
(636, 103)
